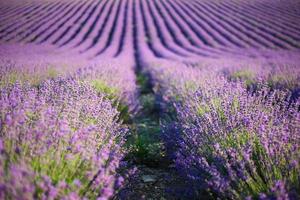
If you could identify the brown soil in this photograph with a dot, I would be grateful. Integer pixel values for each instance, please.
(152, 184)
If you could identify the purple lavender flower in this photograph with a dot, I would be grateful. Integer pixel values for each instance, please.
(63, 131)
(239, 143)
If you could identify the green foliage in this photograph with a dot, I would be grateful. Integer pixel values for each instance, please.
(235, 104)
(33, 79)
(101, 87)
(202, 109)
(148, 103)
(283, 81)
(112, 94)
(245, 75)
(90, 121)
(52, 73)
(145, 142)
(60, 167)
(260, 177)
(124, 112)
(191, 85)
(236, 139)
(143, 81)
(57, 165)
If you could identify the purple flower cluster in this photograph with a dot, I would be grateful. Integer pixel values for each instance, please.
(283, 75)
(12, 71)
(118, 78)
(232, 143)
(60, 140)
(109, 75)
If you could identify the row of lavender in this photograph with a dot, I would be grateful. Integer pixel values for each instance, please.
(231, 140)
(168, 29)
(61, 134)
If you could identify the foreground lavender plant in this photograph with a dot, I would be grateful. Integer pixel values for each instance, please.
(276, 75)
(11, 72)
(240, 145)
(115, 80)
(58, 141)
(234, 144)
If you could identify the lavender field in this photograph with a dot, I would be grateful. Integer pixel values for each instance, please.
(149, 99)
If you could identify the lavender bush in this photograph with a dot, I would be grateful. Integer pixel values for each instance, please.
(276, 75)
(11, 72)
(240, 145)
(115, 80)
(60, 140)
(233, 143)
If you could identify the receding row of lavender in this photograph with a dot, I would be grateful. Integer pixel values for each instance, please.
(62, 135)
(237, 128)
(227, 71)
(166, 29)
